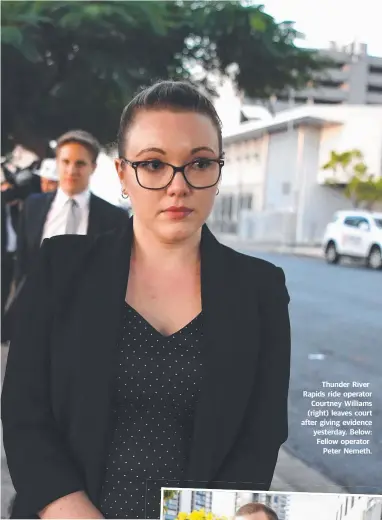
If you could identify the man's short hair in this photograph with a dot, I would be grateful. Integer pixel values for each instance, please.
(256, 507)
(80, 137)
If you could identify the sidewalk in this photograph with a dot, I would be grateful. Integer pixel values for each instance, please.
(294, 475)
(248, 245)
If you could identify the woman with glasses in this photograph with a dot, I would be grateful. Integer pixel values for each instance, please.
(153, 357)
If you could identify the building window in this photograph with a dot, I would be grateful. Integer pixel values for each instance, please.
(375, 70)
(286, 188)
(374, 89)
(322, 83)
(245, 201)
(327, 101)
(201, 500)
(227, 204)
(172, 508)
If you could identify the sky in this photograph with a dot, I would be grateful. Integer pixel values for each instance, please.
(331, 20)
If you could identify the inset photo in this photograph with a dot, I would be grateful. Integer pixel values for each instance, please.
(205, 504)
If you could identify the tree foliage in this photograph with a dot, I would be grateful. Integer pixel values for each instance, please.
(361, 187)
(75, 64)
(168, 494)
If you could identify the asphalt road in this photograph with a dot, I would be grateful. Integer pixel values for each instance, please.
(336, 315)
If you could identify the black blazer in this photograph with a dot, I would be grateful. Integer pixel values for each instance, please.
(103, 217)
(58, 382)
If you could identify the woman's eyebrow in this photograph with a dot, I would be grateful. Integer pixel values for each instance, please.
(152, 149)
(159, 150)
(202, 148)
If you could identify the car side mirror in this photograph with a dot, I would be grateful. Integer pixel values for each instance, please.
(364, 226)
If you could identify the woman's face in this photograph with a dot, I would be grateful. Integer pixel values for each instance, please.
(176, 138)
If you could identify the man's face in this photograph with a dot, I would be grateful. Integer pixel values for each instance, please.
(74, 166)
(260, 515)
(48, 185)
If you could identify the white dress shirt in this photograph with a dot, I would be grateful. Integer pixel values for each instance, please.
(11, 234)
(55, 223)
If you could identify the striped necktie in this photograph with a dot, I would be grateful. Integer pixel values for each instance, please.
(73, 219)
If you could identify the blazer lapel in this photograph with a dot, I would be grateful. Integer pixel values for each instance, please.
(37, 223)
(100, 330)
(230, 360)
(95, 217)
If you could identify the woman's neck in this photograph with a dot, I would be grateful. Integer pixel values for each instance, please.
(149, 250)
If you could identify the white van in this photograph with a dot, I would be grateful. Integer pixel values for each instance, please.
(354, 234)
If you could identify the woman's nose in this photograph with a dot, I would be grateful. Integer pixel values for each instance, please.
(178, 185)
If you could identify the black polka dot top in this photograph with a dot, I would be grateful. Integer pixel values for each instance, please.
(157, 386)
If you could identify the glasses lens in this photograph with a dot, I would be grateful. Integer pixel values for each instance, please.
(202, 173)
(154, 174)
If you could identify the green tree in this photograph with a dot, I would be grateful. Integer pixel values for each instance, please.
(350, 169)
(69, 64)
(168, 494)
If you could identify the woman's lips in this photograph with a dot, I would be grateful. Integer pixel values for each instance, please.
(178, 213)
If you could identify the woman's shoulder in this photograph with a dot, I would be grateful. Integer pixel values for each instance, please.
(253, 273)
(67, 253)
(78, 243)
(249, 263)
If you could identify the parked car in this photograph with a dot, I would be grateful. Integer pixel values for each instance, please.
(354, 234)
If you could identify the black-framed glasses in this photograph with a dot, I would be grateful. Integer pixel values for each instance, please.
(155, 174)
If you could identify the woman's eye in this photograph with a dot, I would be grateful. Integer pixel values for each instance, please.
(203, 163)
(152, 165)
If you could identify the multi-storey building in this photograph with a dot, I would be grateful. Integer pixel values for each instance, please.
(273, 186)
(188, 500)
(354, 78)
(374, 509)
(361, 507)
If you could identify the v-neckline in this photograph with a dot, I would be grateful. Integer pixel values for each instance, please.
(156, 331)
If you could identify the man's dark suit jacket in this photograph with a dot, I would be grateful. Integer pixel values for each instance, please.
(103, 217)
(58, 385)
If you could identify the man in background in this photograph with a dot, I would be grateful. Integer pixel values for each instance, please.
(18, 181)
(72, 209)
(255, 511)
(49, 179)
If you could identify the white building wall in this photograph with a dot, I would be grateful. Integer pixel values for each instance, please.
(283, 169)
(361, 129)
(374, 511)
(244, 169)
(280, 170)
(185, 501)
(355, 512)
(105, 181)
(223, 503)
(315, 204)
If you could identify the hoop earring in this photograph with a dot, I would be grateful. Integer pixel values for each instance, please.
(217, 193)
(124, 195)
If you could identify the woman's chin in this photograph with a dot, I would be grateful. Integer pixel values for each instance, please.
(177, 231)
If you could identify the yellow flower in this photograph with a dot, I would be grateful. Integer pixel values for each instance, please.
(197, 515)
(182, 516)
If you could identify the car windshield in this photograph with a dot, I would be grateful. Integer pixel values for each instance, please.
(378, 222)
